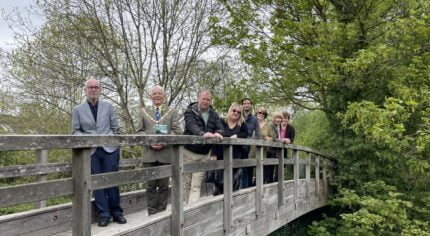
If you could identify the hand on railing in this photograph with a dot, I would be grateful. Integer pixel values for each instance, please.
(157, 146)
(213, 135)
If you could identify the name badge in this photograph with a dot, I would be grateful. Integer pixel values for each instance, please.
(160, 129)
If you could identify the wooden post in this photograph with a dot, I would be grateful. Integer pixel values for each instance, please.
(177, 197)
(308, 176)
(325, 177)
(281, 171)
(42, 159)
(317, 176)
(81, 208)
(228, 189)
(260, 152)
(296, 177)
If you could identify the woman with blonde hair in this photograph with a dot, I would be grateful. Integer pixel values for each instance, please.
(234, 127)
(269, 171)
(265, 127)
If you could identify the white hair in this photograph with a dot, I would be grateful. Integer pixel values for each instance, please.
(157, 87)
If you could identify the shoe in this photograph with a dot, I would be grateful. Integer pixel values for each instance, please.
(103, 222)
(120, 220)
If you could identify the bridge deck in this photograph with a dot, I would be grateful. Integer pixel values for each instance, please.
(254, 211)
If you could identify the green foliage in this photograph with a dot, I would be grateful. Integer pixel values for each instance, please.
(365, 64)
(312, 130)
(378, 209)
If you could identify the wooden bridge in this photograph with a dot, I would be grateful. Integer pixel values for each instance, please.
(259, 210)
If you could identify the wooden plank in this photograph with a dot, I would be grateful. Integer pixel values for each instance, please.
(53, 219)
(281, 179)
(260, 155)
(324, 172)
(81, 208)
(35, 192)
(240, 163)
(192, 167)
(34, 142)
(34, 169)
(42, 159)
(177, 191)
(271, 161)
(317, 176)
(48, 168)
(228, 188)
(243, 208)
(111, 179)
(308, 175)
(296, 174)
(206, 218)
(289, 161)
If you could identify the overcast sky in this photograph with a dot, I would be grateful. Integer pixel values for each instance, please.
(7, 6)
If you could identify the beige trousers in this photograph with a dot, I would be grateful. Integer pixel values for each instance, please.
(193, 182)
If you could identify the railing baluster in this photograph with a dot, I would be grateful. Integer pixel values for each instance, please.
(228, 188)
(259, 181)
(308, 176)
(281, 171)
(42, 159)
(177, 191)
(325, 177)
(296, 177)
(81, 172)
(317, 176)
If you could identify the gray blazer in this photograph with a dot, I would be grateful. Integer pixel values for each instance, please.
(170, 118)
(83, 121)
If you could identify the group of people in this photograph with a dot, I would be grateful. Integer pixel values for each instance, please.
(98, 117)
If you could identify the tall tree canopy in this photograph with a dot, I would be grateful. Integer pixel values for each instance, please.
(129, 44)
(365, 63)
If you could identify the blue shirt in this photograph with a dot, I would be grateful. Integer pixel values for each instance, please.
(93, 109)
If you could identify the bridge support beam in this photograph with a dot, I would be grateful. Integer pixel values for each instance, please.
(177, 196)
(317, 177)
(228, 190)
(81, 208)
(296, 177)
(281, 170)
(41, 159)
(259, 182)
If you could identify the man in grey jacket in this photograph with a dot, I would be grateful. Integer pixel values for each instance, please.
(98, 117)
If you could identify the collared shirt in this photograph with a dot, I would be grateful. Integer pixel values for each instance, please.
(94, 109)
(205, 116)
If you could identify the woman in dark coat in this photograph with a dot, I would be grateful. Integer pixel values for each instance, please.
(234, 127)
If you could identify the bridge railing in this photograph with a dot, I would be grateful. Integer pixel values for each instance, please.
(82, 182)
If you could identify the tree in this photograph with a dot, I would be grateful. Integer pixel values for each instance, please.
(363, 63)
(130, 45)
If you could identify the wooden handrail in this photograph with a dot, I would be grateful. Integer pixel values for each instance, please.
(82, 182)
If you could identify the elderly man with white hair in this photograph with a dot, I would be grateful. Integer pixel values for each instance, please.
(158, 118)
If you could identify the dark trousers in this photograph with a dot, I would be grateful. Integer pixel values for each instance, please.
(106, 200)
(246, 171)
(269, 173)
(157, 191)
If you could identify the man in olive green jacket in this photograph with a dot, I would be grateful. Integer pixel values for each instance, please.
(158, 119)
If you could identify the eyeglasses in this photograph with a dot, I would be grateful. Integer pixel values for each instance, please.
(237, 111)
(93, 87)
(260, 112)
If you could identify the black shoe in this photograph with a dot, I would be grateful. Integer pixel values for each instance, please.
(120, 220)
(103, 222)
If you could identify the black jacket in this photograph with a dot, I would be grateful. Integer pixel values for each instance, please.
(238, 151)
(195, 125)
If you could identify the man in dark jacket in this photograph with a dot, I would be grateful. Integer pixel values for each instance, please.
(253, 132)
(201, 120)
